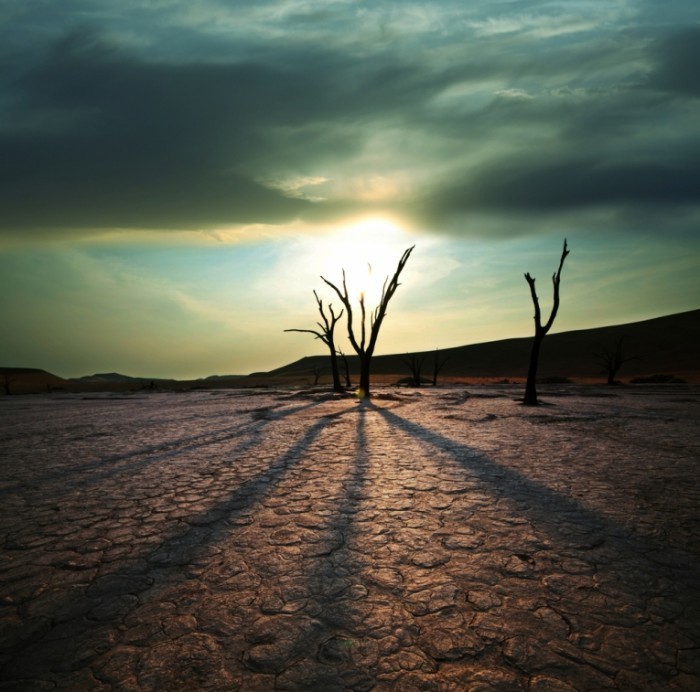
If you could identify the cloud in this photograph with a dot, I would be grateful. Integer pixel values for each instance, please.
(677, 59)
(434, 113)
(576, 183)
(99, 139)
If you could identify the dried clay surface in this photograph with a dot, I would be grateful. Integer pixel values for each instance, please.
(431, 539)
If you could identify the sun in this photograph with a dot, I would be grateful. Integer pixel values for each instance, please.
(368, 251)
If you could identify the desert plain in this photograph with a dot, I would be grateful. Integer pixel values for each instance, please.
(442, 538)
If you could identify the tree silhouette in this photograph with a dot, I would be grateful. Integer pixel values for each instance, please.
(364, 346)
(530, 398)
(438, 364)
(317, 371)
(325, 332)
(7, 383)
(346, 368)
(415, 361)
(612, 360)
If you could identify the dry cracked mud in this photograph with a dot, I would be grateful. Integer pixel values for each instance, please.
(429, 540)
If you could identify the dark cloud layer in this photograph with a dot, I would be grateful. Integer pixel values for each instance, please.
(98, 135)
(678, 62)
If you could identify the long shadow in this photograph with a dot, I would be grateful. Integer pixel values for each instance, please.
(50, 648)
(93, 472)
(547, 507)
(329, 653)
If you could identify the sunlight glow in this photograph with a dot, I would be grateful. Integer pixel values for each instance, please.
(369, 251)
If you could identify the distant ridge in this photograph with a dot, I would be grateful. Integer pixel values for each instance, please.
(115, 377)
(223, 377)
(666, 344)
(662, 345)
(28, 380)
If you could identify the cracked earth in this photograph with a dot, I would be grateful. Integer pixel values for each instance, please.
(437, 539)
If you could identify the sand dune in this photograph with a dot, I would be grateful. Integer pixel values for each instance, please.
(661, 345)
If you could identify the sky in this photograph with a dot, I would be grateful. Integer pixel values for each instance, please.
(176, 176)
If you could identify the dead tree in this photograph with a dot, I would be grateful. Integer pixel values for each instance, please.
(346, 368)
(7, 383)
(612, 360)
(438, 365)
(317, 371)
(541, 330)
(325, 332)
(365, 345)
(415, 361)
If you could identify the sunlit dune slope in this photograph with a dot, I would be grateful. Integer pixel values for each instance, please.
(661, 345)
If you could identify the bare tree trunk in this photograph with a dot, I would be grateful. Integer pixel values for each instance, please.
(530, 398)
(363, 390)
(337, 387)
(346, 368)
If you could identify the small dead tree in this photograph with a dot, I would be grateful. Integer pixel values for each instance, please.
(415, 361)
(317, 371)
(613, 359)
(364, 345)
(346, 368)
(7, 383)
(326, 333)
(438, 365)
(541, 330)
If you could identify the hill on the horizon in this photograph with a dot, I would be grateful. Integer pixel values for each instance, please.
(116, 377)
(29, 380)
(667, 345)
(661, 345)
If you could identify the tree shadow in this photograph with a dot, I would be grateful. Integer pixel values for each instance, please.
(563, 518)
(330, 651)
(92, 473)
(307, 639)
(63, 630)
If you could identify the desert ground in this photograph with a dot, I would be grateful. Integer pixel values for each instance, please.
(429, 539)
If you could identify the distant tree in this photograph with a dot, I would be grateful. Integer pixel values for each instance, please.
(541, 330)
(317, 371)
(415, 361)
(326, 333)
(346, 368)
(438, 364)
(613, 359)
(364, 346)
(7, 383)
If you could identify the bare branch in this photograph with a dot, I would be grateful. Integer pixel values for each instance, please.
(364, 321)
(387, 295)
(318, 335)
(343, 295)
(556, 279)
(535, 301)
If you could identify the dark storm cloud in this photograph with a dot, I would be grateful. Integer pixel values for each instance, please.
(678, 62)
(523, 112)
(575, 183)
(631, 146)
(111, 141)
(102, 139)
